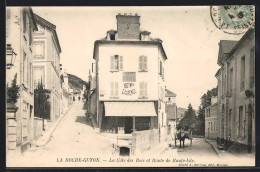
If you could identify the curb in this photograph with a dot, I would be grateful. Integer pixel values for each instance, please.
(215, 149)
(46, 138)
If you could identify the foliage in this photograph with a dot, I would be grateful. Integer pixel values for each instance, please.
(41, 103)
(75, 82)
(189, 120)
(205, 102)
(13, 91)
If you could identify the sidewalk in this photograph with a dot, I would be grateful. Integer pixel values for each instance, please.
(213, 144)
(46, 136)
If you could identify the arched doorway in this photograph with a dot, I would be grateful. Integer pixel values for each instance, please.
(249, 141)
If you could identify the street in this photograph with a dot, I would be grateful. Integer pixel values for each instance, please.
(73, 138)
(199, 148)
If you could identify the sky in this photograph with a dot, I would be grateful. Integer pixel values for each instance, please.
(190, 40)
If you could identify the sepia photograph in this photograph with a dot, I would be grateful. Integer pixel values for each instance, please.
(130, 86)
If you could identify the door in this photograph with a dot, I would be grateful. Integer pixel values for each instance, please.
(128, 125)
(249, 128)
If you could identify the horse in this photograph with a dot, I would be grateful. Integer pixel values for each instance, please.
(182, 135)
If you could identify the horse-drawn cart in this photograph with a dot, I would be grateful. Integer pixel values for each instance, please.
(181, 135)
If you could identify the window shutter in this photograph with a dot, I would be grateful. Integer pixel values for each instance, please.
(145, 63)
(141, 89)
(112, 61)
(116, 89)
(121, 63)
(140, 63)
(112, 89)
(145, 89)
(160, 68)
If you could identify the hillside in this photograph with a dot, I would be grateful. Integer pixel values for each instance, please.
(181, 112)
(75, 82)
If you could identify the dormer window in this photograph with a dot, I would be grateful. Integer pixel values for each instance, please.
(111, 34)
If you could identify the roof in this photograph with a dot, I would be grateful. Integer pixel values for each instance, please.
(51, 26)
(127, 42)
(145, 32)
(112, 31)
(33, 19)
(249, 32)
(227, 45)
(169, 93)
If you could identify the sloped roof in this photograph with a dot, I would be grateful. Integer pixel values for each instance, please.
(145, 32)
(169, 93)
(227, 45)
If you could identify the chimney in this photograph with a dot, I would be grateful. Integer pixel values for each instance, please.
(128, 26)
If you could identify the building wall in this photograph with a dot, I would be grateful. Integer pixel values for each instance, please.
(127, 92)
(231, 125)
(211, 121)
(19, 37)
(49, 63)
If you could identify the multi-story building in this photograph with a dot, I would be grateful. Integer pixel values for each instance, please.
(130, 79)
(171, 109)
(20, 24)
(236, 93)
(211, 119)
(46, 48)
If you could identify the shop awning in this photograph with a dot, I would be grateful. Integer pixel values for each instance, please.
(129, 109)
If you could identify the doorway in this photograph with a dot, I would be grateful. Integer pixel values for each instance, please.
(249, 148)
(128, 125)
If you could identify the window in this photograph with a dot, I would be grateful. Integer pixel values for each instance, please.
(39, 49)
(143, 90)
(240, 121)
(114, 89)
(116, 63)
(229, 121)
(129, 76)
(209, 112)
(30, 77)
(25, 69)
(30, 34)
(142, 63)
(231, 80)
(225, 85)
(252, 68)
(24, 21)
(242, 75)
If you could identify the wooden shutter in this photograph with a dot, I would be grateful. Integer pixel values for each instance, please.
(140, 63)
(145, 63)
(145, 89)
(121, 63)
(112, 89)
(116, 89)
(112, 61)
(141, 89)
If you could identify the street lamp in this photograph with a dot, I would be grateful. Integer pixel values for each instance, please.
(10, 56)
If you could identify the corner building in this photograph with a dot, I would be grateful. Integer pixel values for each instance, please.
(130, 79)
(236, 94)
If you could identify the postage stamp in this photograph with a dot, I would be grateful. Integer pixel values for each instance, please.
(233, 19)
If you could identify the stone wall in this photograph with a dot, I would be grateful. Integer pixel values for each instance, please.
(144, 140)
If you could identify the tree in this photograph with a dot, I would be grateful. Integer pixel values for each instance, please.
(189, 120)
(205, 102)
(13, 91)
(41, 103)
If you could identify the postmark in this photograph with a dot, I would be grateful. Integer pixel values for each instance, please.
(233, 19)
